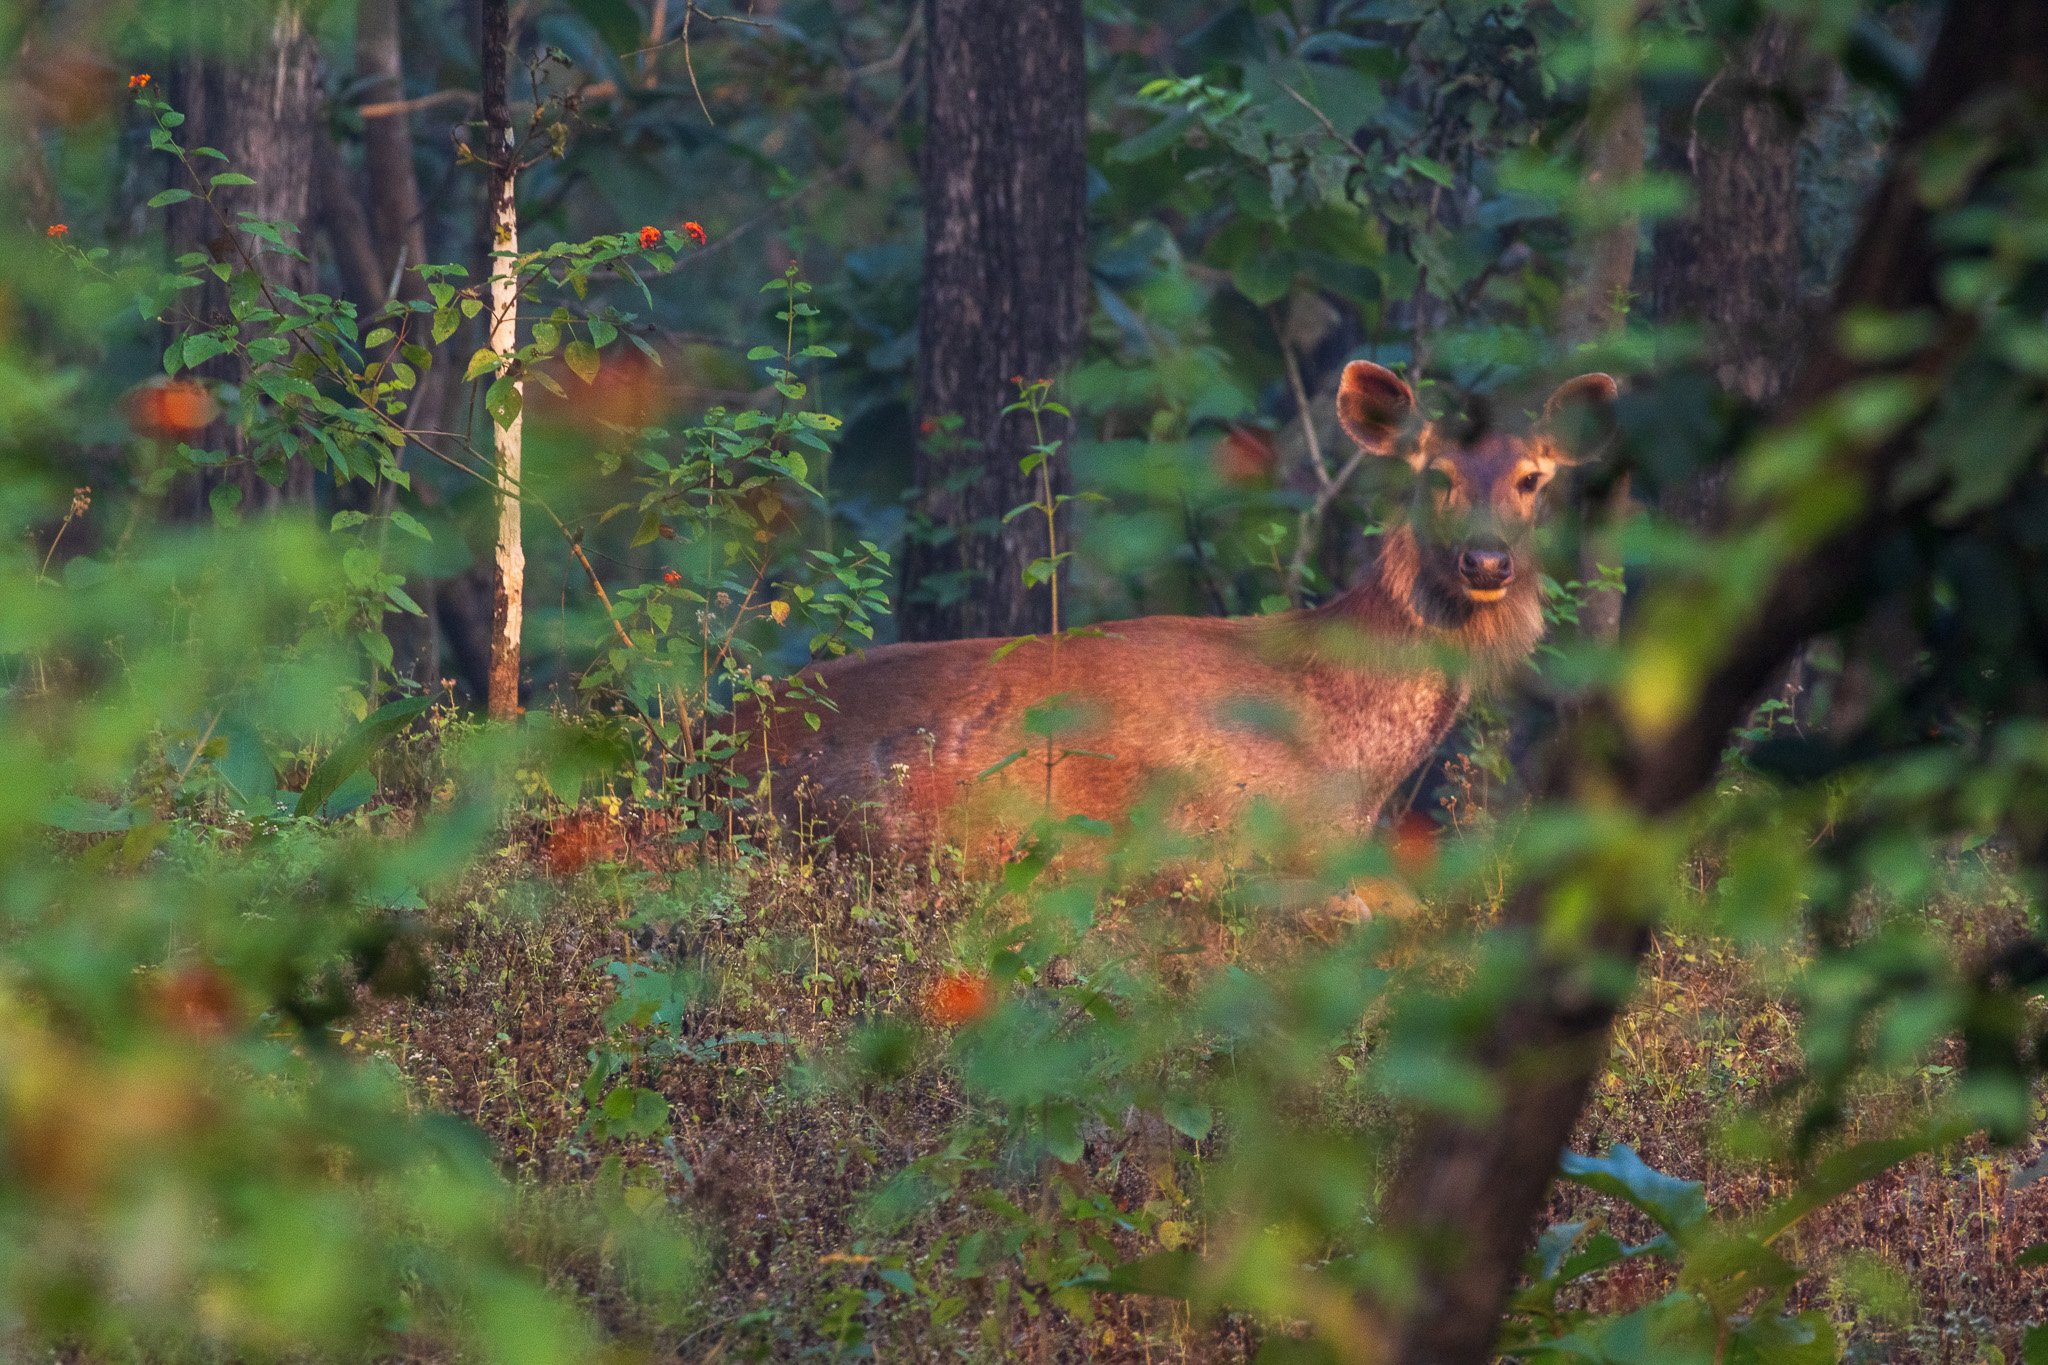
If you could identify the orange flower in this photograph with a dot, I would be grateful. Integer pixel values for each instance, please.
(1415, 840)
(959, 998)
(695, 232)
(671, 577)
(171, 409)
(196, 1001)
(650, 238)
(137, 81)
(56, 230)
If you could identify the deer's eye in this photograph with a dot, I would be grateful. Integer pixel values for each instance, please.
(1530, 481)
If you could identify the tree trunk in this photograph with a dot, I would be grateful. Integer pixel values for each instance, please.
(1466, 1194)
(260, 105)
(1731, 266)
(1005, 179)
(1597, 306)
(398, 245)
(502, 220)
(397, 226)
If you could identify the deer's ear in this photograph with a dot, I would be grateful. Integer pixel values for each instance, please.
(1579, 416)
(1373, 406)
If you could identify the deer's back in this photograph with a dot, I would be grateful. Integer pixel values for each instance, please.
(938, 740)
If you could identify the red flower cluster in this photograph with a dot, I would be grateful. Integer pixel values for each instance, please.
(137, 81)
(650, 238)
(56, 230)
(959, 998)
(671, 577)
(695, 232)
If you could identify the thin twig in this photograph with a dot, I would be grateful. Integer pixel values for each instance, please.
(1324, 119)
(1308, 527)
(576, 548)
(394, 108)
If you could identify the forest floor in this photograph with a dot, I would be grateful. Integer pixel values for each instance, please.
(784, 1161)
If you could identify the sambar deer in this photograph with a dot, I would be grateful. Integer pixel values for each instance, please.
(1321, 712)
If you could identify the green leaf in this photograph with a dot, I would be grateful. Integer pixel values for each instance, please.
(1165, 1274)
(1677, 1206)
(1266, 277)
(630, 1111)
(225, 500)
(408, 523)
(1063, 1131)
(1191, 1117)
(1842, 1172)
(246, 768)
(230, 178)
(169, 197)
(482, 363)
(76, 815)
(1431, 170)
(503, 400)
(446, 320)
(581, 358)
(346, 519)
(355, 749)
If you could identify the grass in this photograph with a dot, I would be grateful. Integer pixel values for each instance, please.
(805, 1077)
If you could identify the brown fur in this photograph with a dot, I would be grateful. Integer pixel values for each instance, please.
(1319, 712)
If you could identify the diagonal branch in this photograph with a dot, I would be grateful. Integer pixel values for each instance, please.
(1466, 1194)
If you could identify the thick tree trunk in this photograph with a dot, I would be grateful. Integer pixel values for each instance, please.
(398, 229)
(260, 105)
(502, 218)
(1598, 306)
(1597, 303)
(1468, 1194)
(1731, 266)
(1005, 179)
(397, 232)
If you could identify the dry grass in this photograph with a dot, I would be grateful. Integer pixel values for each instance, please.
(778, 1148)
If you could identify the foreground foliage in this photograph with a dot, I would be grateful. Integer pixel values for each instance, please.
(741, 1096)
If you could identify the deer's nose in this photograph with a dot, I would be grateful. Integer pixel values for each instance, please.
(1486, 568)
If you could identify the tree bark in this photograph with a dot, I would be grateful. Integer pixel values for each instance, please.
(1467, 1195)
(1005, 180)
(260, 106)
(502, 219)
(1598, 305)
(397, 232)
(398, 229)
(1731, 266)
(1598, 301)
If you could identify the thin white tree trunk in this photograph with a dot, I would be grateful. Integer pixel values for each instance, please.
(508, 605)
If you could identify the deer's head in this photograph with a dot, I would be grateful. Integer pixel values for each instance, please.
(1477, 498)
